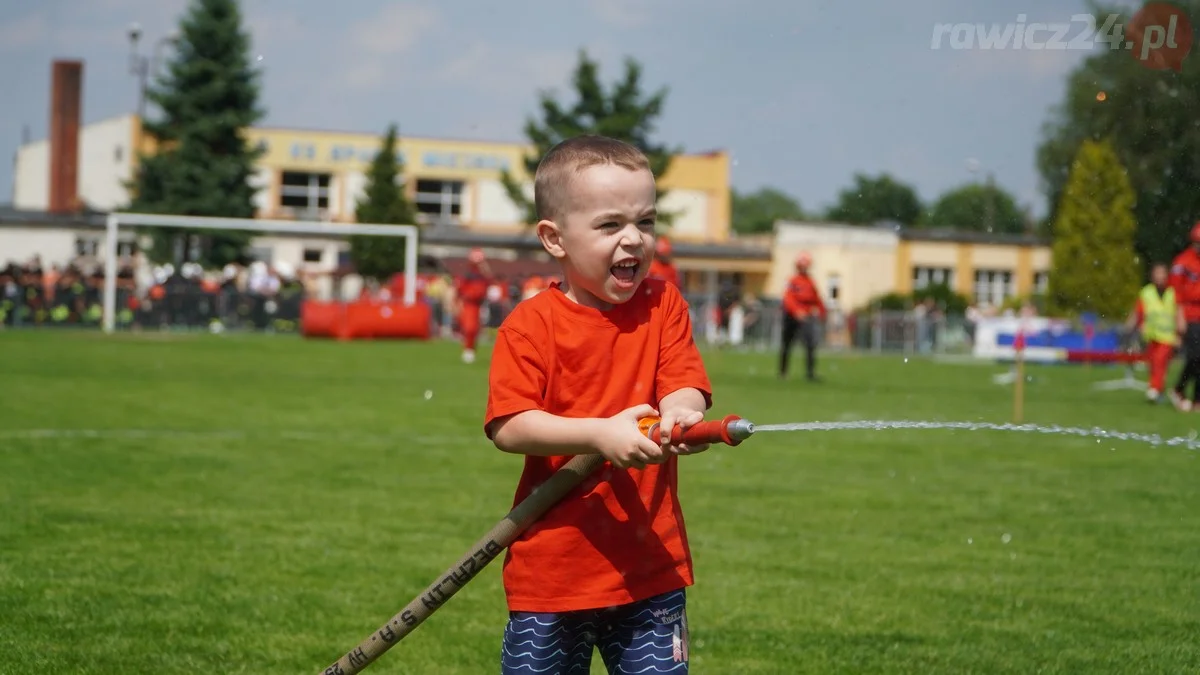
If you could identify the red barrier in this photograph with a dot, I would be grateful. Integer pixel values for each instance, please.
(1085, 356)
(364, 320)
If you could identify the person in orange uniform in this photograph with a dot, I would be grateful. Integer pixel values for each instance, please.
(1185, 279)
(802, 308)
(662, 266)
(470, 294)
(573, 370)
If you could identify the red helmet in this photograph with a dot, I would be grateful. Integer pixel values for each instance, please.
(662, 247)
(1195, 235)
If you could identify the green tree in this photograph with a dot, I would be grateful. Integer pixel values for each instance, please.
(872, 199)
(756, 212)
(1093, 263)
(202, 164)
(624, 113)
(973, 206)
(383, 203)
(1149, 117)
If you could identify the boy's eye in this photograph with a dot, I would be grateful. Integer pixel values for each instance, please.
(647, 223)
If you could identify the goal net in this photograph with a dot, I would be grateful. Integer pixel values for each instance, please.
(287, 264)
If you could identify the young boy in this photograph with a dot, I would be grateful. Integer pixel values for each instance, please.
(573, 370)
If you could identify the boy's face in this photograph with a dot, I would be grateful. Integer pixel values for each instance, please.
(605, 235)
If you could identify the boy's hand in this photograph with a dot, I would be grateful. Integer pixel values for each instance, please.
(623, 444)
(685, 418)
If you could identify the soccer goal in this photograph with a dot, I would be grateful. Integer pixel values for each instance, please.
(285, 239)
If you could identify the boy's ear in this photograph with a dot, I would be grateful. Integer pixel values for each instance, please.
(551, 237)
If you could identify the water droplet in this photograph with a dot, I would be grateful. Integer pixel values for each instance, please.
(1006, 538)
(428, 394)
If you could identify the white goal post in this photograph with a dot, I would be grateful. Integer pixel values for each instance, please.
(266, 227)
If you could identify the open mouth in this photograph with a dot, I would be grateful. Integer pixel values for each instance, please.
(625, 271)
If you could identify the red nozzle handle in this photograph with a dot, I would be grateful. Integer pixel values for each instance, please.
(714, 431)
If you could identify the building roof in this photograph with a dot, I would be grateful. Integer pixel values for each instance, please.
(26, 218)
(971, 237)
(933, 234)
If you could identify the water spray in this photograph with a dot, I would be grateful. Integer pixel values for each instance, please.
(731, 430)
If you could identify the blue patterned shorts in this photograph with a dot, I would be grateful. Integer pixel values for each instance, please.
(649, 636)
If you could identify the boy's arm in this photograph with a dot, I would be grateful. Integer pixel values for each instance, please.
(542, 434)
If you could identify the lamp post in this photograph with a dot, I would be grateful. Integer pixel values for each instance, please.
(141, 66)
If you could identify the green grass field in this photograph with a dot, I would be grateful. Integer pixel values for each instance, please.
(178, 504)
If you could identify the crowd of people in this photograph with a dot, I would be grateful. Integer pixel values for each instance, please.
(256, 296)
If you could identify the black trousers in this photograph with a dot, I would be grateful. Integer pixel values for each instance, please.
(806, 330)
(1191, 364)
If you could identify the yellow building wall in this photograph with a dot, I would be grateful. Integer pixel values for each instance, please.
(994, 257)
(863, 272)
(346, 153)
(1040, 258)
(708, 173)
(964, 273)
(903, 267)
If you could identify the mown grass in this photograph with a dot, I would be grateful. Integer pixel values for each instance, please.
(259, 505)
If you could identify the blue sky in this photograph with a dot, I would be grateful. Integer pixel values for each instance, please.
(802, 93)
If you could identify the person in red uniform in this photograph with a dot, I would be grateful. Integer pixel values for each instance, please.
(802, 309)
(1185, 279)
(662, 267)
(470, 294)
(573, 370)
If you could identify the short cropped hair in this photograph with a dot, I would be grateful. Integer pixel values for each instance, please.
(568, 158)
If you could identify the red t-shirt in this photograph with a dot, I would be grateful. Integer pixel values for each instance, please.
(663, 270)
(801, 297)
(618, 537)
(1185, 279)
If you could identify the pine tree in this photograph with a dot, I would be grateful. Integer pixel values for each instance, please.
(383, 203)
(622, 113)
(1094, 265)
(202, 164)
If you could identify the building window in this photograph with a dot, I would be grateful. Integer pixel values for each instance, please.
(932, 276)
(992, 287)
(439, 200)
(304, 194)
(1041, 283)
(312, 255)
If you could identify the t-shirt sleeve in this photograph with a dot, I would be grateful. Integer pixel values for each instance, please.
(517, 379)
(680, 365)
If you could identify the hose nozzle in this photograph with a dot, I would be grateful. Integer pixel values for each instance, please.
(731, 430)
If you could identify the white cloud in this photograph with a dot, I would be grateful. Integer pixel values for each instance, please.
(23, 33)
(621, 13)
(516, 70)
(374, 42)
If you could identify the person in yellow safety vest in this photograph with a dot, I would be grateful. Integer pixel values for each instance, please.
(1155, 312)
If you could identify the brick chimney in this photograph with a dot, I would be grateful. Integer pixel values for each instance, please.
(66, 104)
